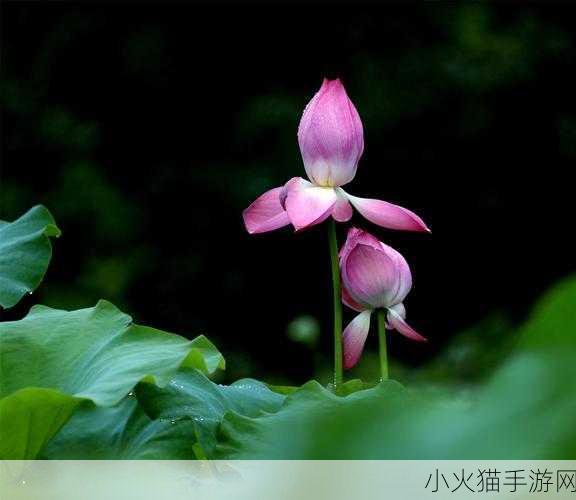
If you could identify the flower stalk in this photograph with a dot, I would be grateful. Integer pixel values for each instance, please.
(382, 343)
(333, 241)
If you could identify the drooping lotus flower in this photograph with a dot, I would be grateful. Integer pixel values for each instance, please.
(374, 276)
(331, 141)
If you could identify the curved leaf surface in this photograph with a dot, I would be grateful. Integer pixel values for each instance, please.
(29, 418)
(177, 421)
(123, 431)
(192, 396)
(25, 253)
(95, 353)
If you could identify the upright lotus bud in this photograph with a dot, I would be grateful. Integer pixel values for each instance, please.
(330, 136)
(331, 141)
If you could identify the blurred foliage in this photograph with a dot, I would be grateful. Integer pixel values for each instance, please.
(552, 324)
(304, 329)
(525, 410)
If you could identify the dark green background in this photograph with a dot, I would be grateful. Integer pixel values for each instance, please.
(148, 128)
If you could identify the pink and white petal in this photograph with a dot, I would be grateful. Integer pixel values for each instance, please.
(266, 213)
(349, 300)
(342, 210)
(403, 275)
(400, 310)
(370, 276)
(330, 136)
(308, 204)
(292, 184)
(354, 338)
(388, 215)
(354, 237)
(396, 322)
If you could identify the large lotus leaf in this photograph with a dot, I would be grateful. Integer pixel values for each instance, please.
(95, 353)
(25, 253)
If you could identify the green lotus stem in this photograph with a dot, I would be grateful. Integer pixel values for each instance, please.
(382, 341)
(337, 304)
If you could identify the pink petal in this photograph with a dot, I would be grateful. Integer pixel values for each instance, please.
(400, 310)
(403, 282)
(370, 276)
(308, 204)
(396, 322)
(354, 337)
(349, 301)
(353, 238)
(266, 213)
(330, 136)
(396, 267)
(388, 215)
(342, 210)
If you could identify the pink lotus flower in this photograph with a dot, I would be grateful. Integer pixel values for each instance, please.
(331, 141)
(374, 276)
